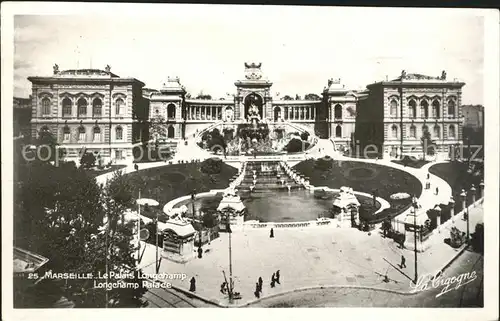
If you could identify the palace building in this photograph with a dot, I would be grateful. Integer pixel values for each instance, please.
(98, 111)
(393, 115)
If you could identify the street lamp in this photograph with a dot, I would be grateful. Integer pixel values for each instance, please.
(463, 195)
(200, 250)
(415, 207)
(481, 188)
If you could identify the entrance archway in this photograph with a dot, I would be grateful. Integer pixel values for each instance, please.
(170, 132)
(277, 113)
(251, 100)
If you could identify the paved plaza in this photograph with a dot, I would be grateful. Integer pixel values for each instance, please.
(309, 257)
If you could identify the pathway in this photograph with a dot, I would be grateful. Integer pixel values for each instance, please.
(307, 257)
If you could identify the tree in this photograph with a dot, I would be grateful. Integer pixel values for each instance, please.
(59, 214)
(477, 240)
(312, 97)
(88, 160)
(157, 127)
(296, 145)
(47, 146)
(427, 144)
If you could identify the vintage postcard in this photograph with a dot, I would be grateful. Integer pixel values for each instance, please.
(226, 156)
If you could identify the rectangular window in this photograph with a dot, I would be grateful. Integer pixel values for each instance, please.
(118, 154)
(97, 137)
(66, 137)
(81, 137)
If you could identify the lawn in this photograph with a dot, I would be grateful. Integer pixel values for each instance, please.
(411, 162)
(169, 182)
(364, 177)
(95, 173)
(459, 176)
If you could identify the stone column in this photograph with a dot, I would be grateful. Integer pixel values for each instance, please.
(289, 113)
(438, 218)
(473, 192)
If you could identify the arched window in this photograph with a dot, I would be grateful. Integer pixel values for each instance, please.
(413, 131)
(437, 131)
(451, 108)
(45, 106)
(66, 134)
(120, 106)
(436, 106)
(81, 134)
(394, 108)
(338, 112)
(82, 107)
(171, 111)
(119, 133)
(171, 132)
(424, 109)
(97, 107)
(451, 131)
(66, 107)
(425, 129)
(97, 134)
(338, 131)
(413, 109)
(394, 131)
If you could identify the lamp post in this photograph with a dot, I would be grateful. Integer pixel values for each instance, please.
(148, 203)
(415, 207)
(463, 195)
(200, 250)
(481, 189)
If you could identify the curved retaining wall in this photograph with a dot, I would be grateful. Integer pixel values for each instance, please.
(300, 179)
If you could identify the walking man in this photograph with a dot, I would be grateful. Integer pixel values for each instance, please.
(403, 262)
(272, 234)
(136, 167)
(192, 287)
(278, 277)
(273, 280)
(437, 190)
(260, 283)
(223, 287)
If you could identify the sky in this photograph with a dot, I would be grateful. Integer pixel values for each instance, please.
(300, 48)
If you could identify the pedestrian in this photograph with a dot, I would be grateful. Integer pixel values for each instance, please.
(136, 167)
(272, 234)
(192, 287)
(200, 252)
(273, 282)
(278, 277)
(437, 190)
(223, 287)
(260, 283)
(428, 175)
(403, 262)
(257, 290)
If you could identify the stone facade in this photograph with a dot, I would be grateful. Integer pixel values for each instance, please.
(90, 109)
(99, 111)
(393, 115)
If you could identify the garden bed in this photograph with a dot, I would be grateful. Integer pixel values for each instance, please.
(457, 175)
(364, 177)
(170, 182)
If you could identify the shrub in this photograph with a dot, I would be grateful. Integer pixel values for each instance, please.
(88, 160)
(211, 166)
(477, 240)
(304, 136)
(324, 163)
(296, 145)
